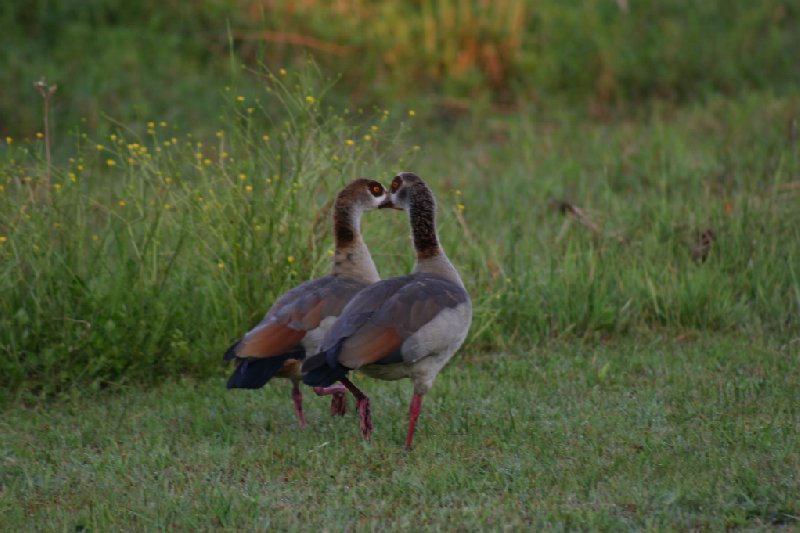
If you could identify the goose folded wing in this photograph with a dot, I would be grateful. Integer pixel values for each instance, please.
(294, 314)
(383, 335)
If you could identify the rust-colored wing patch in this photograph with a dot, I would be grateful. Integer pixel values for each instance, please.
(269, 341)
(369, 345)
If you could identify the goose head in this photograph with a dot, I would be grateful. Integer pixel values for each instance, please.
(364, 194)
(402, 189)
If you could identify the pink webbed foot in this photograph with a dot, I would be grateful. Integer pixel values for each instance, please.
(365, 417)
(297, 397)
(363, 406)
(338, 404)
(338, 401)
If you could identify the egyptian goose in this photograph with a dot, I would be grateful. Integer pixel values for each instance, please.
(408, 326)
(295, 324)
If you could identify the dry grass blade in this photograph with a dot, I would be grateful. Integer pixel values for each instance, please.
(574, 213)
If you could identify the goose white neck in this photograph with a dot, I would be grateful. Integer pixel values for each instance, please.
(351, 256)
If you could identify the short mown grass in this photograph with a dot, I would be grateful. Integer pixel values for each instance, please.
(665, 434)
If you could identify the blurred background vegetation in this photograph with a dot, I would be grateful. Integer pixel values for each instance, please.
(136, 60)
(196, 146)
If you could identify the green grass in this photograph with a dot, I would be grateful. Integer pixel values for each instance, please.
(609, 381)
(148, 269)
(666, 434)
(134, 62)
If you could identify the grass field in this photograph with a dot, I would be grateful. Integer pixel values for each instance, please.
(621, 371)
(666, 434)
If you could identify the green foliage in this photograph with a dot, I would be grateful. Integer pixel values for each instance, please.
(136, 61)
(659, 436)
(143, 256)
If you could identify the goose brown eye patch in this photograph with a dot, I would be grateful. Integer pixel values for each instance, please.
(396, 182)
(376, 189)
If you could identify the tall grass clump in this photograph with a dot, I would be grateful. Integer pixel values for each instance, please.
(146, 252)
(574, 228)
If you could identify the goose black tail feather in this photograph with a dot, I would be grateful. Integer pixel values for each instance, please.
(323, 369)
(254, 372)
(230, 353)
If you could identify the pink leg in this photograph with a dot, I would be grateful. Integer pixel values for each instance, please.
(338, 402)
(362, 403)
(413, 415)
(297, 396)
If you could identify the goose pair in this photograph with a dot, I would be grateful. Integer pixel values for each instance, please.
(408, 326)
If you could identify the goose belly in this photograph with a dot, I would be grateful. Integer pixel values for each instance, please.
(313, 339)
(389, 372)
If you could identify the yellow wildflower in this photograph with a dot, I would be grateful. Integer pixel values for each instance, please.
(310, 99)
(9, 140)
(242, 177)
(220, 134)
(417, 148)
(72, 177)
(240, 98)
(56, 225)
(290, 259)
(411, 112)
(163, 124)
(374, 128)
(221, 265)
(265, 138)
(460, 207)
(57, 186)
(151, 124)
(330, 253)
(367, 138)
(113, 137)
(250, 110)
(248, 188)
(122, 203)
(39, 135)
(3, 239)
(109, 162)
(207, 162)
(95, 238)
(282, 72)
(80, 168)
(349, 142)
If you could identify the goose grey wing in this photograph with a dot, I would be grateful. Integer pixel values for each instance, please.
(423, 315)
(294, 314)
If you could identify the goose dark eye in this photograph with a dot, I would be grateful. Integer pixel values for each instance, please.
(376, 190)
(396, 182)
